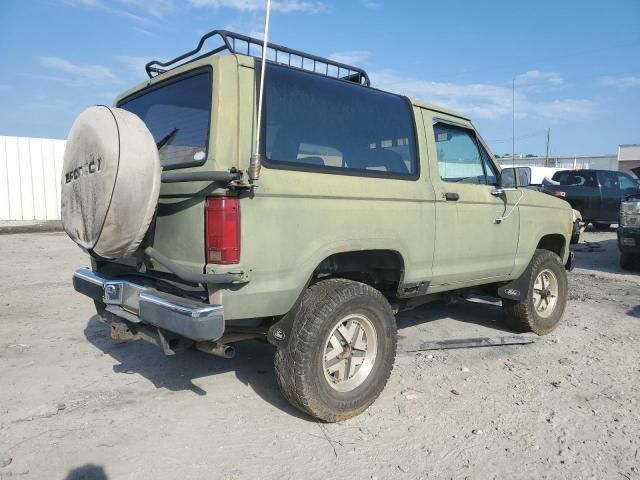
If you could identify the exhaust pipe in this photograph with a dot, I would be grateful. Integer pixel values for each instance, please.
(217, 349)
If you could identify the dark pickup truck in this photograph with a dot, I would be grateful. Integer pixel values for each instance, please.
(596, 194)
(629, 233)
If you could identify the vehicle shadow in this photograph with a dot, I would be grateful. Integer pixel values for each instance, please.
(253, 363)
(87, 472)
(464, 318)
(599, 256)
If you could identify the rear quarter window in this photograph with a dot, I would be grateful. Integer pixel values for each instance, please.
(315, 123)
(178, 115)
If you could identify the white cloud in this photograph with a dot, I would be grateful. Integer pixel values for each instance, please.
(567, 109)
(135, 64)
(534, 77)
(371, 4)
(137, 10)
(284, 6)
(54, 105)
(350, 57)
(480, 100)
(78, 74)
(157, 8)
(144, 31)
(621, 82)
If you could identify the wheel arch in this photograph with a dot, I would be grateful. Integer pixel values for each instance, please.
(382, 269)
(555, 243)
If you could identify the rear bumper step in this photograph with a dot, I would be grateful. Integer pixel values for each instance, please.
(139, 303)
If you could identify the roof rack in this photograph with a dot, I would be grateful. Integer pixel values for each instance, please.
(236, 43)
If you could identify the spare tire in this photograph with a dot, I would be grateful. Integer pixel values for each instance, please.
(110, 182)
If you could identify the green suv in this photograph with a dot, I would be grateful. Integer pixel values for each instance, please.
(358, 203)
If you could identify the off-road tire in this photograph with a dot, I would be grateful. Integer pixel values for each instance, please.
(299, 365)
(521, 315)
(629, 261)
(600, 226)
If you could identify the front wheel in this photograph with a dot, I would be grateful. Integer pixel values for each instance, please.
(543, 307)
(341, 352)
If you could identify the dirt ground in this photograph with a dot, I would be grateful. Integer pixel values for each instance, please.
(75, 404)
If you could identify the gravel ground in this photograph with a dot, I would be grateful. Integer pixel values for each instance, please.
(76, 404)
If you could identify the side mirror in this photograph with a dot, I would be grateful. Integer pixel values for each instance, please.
(508, 178)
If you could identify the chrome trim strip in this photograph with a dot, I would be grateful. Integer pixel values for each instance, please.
(89, 276)
(194, 312)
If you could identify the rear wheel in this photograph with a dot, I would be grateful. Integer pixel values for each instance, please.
(341, 352)
(543, 307)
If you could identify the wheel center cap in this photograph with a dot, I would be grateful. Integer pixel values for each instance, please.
(346, 351)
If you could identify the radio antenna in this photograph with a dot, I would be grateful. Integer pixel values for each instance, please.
(256, 158)
(513, 130)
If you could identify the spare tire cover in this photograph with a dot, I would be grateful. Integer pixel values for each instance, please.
(110, 181)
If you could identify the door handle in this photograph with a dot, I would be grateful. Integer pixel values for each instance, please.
(451, 197)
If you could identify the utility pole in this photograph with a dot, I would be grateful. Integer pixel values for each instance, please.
(546, 158)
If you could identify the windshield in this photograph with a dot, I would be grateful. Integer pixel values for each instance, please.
(177, 113)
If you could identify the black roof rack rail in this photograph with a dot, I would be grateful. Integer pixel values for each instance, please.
(281, 55)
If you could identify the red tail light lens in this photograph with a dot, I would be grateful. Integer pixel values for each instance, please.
(560, 194)
(222, 230)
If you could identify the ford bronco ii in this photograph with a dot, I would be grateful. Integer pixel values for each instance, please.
(359, 203)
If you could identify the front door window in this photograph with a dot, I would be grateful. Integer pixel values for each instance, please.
(460, 158)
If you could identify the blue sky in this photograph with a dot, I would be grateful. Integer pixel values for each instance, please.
(576, 63)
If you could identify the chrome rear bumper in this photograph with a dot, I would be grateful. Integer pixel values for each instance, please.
(138, 303)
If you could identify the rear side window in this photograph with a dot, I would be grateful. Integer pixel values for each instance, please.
(177, 113)
(315, 123)
(576, 178)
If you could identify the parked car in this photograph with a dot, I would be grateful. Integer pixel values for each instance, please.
(358, 203)
(629, 233)
(596, 194)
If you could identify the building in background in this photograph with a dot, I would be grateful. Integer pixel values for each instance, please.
(628, 157)
(599, 162)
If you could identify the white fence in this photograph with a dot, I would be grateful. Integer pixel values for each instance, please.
(599, 162)
(30, 171)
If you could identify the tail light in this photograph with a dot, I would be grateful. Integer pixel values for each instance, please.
(560, 194)
(222, 230)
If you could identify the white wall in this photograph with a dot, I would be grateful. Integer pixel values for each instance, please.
(30, 171)
(600, 162)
